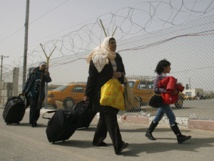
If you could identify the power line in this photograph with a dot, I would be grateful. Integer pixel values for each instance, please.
(34, 20)
(49, 11)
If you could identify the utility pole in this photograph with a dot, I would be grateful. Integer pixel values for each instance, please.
(2, 57)
(26, 42)
(189, 84)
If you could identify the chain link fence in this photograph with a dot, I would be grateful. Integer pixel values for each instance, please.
(189, 46)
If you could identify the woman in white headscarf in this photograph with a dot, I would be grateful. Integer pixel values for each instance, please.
(105, 64)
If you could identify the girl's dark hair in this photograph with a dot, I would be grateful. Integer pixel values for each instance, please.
(161, 64)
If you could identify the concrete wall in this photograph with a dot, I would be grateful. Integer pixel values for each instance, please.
(8, 89)
(5, 91)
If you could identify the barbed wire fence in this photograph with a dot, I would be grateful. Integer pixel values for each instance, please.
(181, 31)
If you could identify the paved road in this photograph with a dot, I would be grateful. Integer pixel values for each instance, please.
(197, 109)
(24, 143)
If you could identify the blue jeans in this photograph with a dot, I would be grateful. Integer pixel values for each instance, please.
(169, 113)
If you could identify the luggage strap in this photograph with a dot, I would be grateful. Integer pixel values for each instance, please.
(43, 116)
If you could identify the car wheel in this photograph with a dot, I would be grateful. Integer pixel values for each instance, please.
(68, 103)
(179, 103)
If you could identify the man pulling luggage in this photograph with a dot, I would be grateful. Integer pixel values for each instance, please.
(34, 90)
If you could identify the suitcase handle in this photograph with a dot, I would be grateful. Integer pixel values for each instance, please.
(43, 116)
(22, 96)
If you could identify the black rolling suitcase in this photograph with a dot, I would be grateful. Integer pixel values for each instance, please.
(14, 110)
(84, 114)
(61, 125)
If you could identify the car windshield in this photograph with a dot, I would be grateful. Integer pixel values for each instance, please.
(131, 83)
(150, 84)
(60, 88)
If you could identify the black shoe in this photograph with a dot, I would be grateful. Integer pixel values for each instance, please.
(150, 136)
(183, 138)
(101, 144)
(34, 124)
(124, 146)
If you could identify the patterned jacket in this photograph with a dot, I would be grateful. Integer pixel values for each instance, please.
(29, 83)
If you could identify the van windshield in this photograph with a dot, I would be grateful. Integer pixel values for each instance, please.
(60, 88)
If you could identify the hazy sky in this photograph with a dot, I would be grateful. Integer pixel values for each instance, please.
(48, 19)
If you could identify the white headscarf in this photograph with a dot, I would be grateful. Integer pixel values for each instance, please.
(101, 55)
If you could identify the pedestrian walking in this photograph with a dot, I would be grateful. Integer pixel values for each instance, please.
(105, 64)
(34, 90)
(162, 68)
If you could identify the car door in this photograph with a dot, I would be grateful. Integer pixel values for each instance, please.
(77, 93)
(144, 90)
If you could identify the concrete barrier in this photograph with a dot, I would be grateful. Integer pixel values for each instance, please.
(182, 121)
(201, 124)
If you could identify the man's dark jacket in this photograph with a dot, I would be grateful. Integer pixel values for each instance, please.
(29, 83)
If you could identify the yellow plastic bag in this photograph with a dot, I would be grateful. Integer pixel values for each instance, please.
(112, 94)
